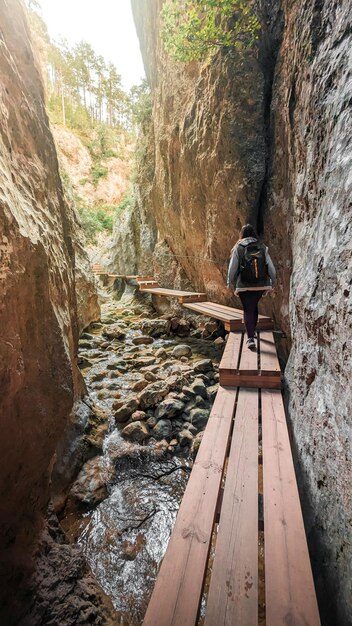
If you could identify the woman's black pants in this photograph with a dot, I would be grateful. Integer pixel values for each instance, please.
(250, 301)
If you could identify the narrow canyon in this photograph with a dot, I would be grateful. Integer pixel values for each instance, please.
(92, 371)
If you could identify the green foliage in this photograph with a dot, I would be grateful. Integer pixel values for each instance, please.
(141, 104)
(98, 171)
(195, 29)
(100, 218)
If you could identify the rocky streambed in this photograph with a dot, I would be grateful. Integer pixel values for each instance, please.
(151, 381)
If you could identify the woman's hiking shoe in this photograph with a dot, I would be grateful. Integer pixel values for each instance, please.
(251, 344)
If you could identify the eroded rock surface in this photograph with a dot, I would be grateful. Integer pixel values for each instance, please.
(270, 139)
(38, 308)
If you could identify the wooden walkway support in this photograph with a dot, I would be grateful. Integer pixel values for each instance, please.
(242, 367)
(232, 318)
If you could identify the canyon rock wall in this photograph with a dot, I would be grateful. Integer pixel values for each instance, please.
(269, 138)
(310, 204)
(209, 158)
(38, 318)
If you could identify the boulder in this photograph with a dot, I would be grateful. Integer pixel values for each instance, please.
(122, 414)
(90, 486)
(137, 416)
(153, 394)
(155, 328)
(182, 350)
(162, 429)
(199, 417)
(114, 332)
(169, 408)
(203, 366)
(136, 431)
(185, 438)
(142, 340)
(198, 388)
(196, 443)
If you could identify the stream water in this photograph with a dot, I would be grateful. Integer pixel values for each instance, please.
(134, 489)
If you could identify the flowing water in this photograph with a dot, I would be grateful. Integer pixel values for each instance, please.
(124, 536)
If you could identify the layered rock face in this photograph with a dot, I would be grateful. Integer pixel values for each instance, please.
(209, 157)
(38, 309)
(310, 204)
(268, 138)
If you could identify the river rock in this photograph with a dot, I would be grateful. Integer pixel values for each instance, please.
(219, 341)
(203, 366)
(90, 486)
(151, 421)
(161, 354)
(153, 394)
(138, 416)
(114, 332)
(198, 388)
(196, 443)
(169, 408)
(188, 426)
(139, 385)
(199, 417)
(162, 429)
(122, 414)
(155, 328)
(136, 431)
(144, 361)
(183, 328)
(181, 350)
(142, 340)
(212, 391)
(185, 438)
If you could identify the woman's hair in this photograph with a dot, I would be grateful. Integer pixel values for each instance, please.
(248, 231)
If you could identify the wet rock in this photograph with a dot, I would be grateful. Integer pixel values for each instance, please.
(136, 431)
(174, 323)
(162, 429)
(185, 438)
(138, 416)
(212, 391)
(150, 376)
(192, 429)
(169, 408)
(219, 341)
(143, 340)
(95, 326)
(161, 354)
(175, 382)
(196, 334)
(114, 332)
(155, 328)
(139, 385)
(181, 350)
(183, 328)
(199, 417)
(201, 403)
(203, 366)
(196, 443)
(144, 361)
(151, 421)
(122, 414)
(198, 388)
(130, 549)
(91, 484)
(153, 394)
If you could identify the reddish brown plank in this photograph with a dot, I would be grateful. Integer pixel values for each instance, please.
(248, 381)
(249, 358)
(289, 586)
(233, 592)
(176, 596)
(268, 355)
(231, 357)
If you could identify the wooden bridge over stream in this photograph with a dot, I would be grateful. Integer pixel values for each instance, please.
(244, 461)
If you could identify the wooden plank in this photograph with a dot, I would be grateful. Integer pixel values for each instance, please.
(205, 309)
(231, 356)
(268, 355)
(249, 381)
(177, 592)
(265, 323)
(233, 592)
(289, 586)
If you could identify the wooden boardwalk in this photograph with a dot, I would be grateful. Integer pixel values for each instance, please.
(246, 437)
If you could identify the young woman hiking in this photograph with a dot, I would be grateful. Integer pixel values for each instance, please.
(252, 274)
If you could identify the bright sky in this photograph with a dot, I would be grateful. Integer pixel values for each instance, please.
(106, 24)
